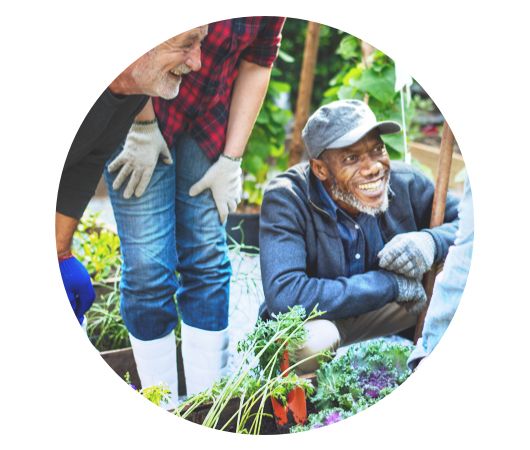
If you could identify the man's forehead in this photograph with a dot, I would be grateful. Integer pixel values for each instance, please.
(189, 37)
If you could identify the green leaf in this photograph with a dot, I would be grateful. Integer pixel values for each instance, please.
(394, 145)
(379, 85)
(279, 86)
(349, 48)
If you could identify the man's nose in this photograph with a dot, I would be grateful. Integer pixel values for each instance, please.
(371, 167)
(194, 59)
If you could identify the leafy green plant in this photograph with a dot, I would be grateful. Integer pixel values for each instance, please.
(364, 375)
(105, 326)
(258, 376)
(97, 248)
(157, 394)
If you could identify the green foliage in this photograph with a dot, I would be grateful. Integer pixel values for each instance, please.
(105, 326)
(157, 394)
(369, 371)
(258, 377)
(263, 338)
(356, 81)
(293, 42)
(97, 248)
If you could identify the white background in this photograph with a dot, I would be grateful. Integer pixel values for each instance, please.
(469, 56)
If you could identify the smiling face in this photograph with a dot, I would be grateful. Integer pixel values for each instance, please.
(356, 176)
(159, 72)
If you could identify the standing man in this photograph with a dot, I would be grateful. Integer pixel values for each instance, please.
(157, 73)
(177, 225)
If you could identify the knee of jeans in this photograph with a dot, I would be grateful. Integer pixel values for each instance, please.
(205, 257)
(148, 274)
(322, 335)
(147, 320)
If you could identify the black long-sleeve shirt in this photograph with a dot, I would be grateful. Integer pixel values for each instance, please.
(103, 129)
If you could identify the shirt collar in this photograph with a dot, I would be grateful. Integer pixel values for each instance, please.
(327, 202)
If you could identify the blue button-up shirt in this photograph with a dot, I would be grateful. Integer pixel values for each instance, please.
(361, 237)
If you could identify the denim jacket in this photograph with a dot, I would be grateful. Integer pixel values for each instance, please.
(301, 254)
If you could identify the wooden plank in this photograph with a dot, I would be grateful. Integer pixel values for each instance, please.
(122, 361)
(429, 156)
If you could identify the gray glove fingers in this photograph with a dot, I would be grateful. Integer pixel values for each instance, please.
(122, 176)
(143, 183)
(223, 211)
(232, 205)
(198, 187)
(409, 269)
(131, 185)
(166, 156)
(116, 164)
(402, 263)
(389, 255)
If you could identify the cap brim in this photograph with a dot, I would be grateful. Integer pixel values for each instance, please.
(353, 136)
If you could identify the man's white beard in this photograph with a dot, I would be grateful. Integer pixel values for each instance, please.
(351, 200)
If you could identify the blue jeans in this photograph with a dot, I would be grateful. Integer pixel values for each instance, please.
(166, 231)
(450, 283)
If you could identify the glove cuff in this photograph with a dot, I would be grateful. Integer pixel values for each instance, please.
(229, 161)
(145, 127)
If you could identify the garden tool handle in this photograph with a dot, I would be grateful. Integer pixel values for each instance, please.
(437, 214)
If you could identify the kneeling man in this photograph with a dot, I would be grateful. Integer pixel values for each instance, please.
(349, 231)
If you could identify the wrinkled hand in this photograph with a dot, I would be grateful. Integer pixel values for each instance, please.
(78, 286)
(409, 254)
(224, 179)
(410, 294)
(138, 159)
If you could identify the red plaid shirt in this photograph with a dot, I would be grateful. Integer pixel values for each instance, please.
(202, 106)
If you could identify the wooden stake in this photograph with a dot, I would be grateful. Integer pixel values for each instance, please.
(438, 213)
(303, 102)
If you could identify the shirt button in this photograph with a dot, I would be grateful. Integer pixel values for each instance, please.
(356, 226)
(357, 256)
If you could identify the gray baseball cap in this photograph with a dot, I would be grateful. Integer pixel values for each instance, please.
(342, 123)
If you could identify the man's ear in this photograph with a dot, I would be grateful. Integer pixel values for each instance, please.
(320, 169)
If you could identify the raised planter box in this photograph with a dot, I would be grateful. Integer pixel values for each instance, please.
(429, 155)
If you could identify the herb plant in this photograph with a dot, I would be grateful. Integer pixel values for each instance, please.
(258, 376)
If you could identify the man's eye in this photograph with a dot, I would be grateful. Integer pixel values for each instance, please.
(351, 158)
(380, 150)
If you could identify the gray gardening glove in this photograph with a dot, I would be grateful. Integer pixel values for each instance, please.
(224, 179)
(410, 293)
(409, 254)
(143, 146)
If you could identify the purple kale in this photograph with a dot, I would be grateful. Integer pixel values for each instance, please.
(372, 383)
(334, 417)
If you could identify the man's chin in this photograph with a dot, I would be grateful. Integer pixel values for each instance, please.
(367, 204)
(169, 92)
